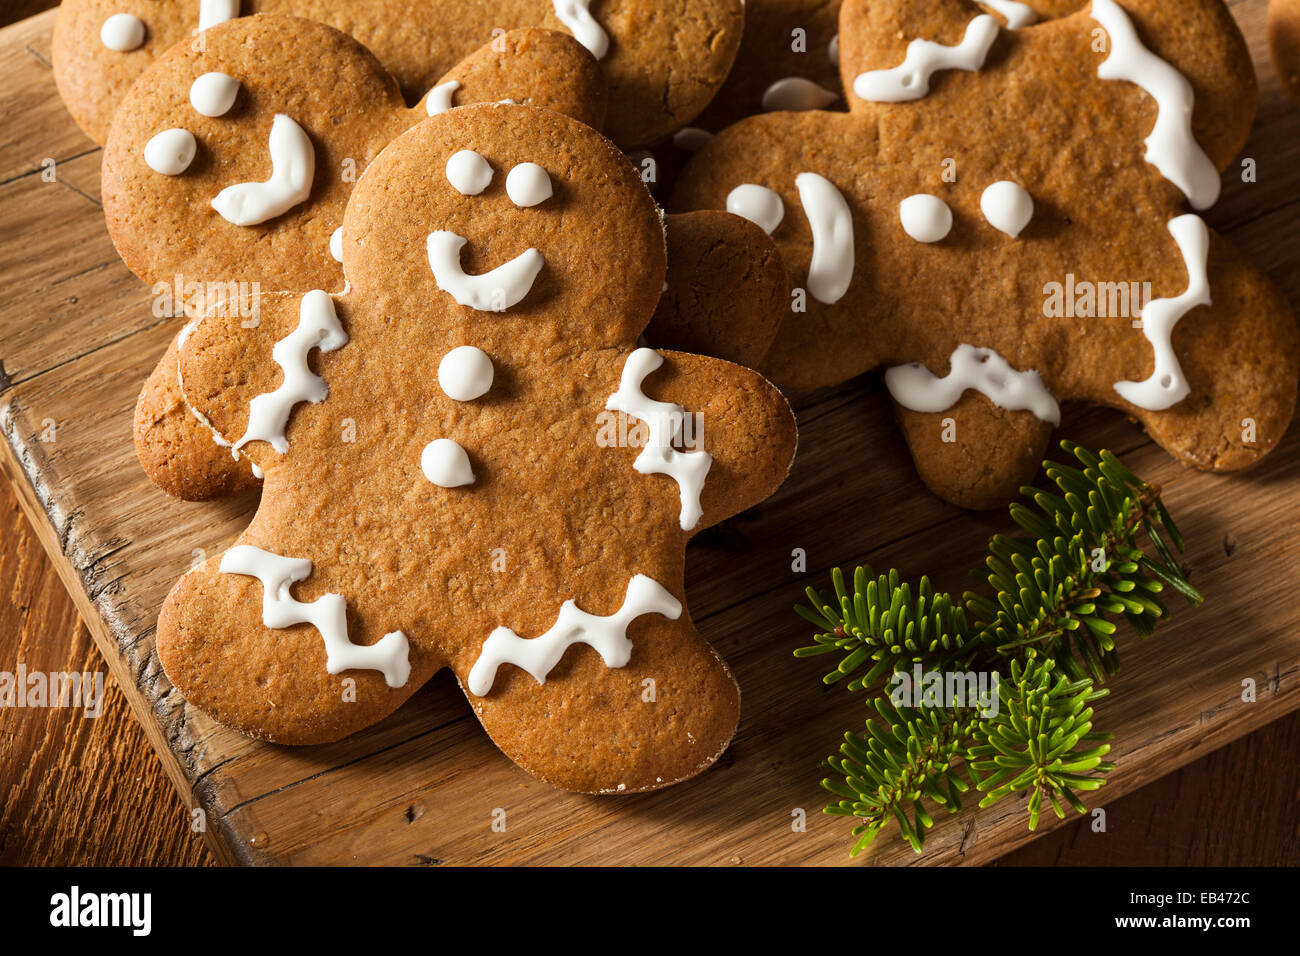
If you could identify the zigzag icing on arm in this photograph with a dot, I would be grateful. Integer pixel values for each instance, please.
(268, 413)
(916, 387)
(293, 167)
(910, 80)
(328, 614)
(576, 16)
(1171, 147)
(1167, 386)
(831, 270)
(664, 420)
(608, 635)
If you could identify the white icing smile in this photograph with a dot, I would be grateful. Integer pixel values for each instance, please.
(328, 614)
(293, 166)
(831, 270)
(439, 100)
(608, 635)
(495, 291)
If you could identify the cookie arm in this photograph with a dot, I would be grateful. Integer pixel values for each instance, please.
(746, 425)
(726, 289)
(227, 361)
(175, 449)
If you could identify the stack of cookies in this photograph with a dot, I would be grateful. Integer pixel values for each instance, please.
(428, 301)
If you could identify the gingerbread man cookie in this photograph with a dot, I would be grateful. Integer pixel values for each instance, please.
(1007, 219)
(663, 60)
(470, 464)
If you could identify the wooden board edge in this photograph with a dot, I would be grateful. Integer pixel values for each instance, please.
(101, 633)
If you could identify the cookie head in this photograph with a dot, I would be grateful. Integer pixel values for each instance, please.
(515, 225)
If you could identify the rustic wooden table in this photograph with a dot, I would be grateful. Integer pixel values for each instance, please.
(81, 791)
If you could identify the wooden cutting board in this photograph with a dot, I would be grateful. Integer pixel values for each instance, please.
(77, 336)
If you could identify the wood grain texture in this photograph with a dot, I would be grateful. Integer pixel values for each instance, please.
(422, 786)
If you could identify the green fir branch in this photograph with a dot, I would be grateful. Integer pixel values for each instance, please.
(1098, 545)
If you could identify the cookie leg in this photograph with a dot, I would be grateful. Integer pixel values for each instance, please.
(664, 716)
(176, 450)
(975, 455)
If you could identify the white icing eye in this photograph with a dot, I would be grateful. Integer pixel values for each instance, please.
(122, 32)
(527, 185)
(465, 373)
(445, 464)
(925, 218)
(468, 172)
(758, 204)
(1008, 207)
(213, 94)
(336, 244)
(171, 151)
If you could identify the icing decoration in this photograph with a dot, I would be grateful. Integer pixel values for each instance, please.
(1017, 15)
(665, 421)
(925, 218)
(1167, 386)
(213, 94)
(1171, 147)
(758, 204)
(833, 50)
(122, 32)
(576, 15)
(328, 614)
(495, 291)
(212, 12)
(831, 269)
(797, 94)
(293, 166)
(445, 464)
(439, 100)
(914, 386)
(527, 185)
(468, 172)
(1008, 207)
(691, 138)
(336, 244)
(465, 373)
(268, 413)
(606, 634)
(170, 152)
(911, 79)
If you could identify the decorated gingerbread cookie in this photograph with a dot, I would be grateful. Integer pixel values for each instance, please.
(663, 61)
(470, 464)
(1284, 42)
(1008, 219)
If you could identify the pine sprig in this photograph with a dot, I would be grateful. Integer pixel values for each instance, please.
(1097, 546)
